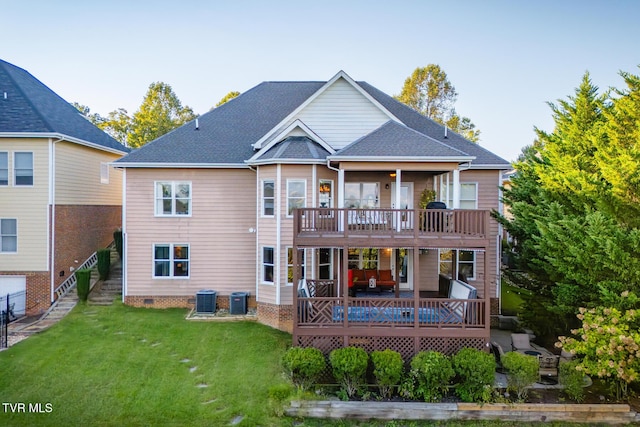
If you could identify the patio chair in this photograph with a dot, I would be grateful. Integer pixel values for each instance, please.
(496, 350)
(521, 343)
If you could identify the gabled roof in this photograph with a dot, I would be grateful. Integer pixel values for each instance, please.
(408, 145)
(294, 149)
(411, 118)
(30, 108)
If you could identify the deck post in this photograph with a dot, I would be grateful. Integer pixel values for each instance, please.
(487, 297)
(345, 293)
(416, 296)
(294, 315)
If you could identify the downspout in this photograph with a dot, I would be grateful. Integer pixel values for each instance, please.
(256, 228)
(125, 246)
(52, 201)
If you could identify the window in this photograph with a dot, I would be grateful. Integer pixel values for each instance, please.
(325, 255)
(466, 263)
(4, 168)
(23, 168)
(361, 195)
(290, 265)
(296, 195)
(468, 195)
(104, 173)
(171, 260)
(267, 264)
(268, 198)
(173, 198)
(325, 197)
(8, 235)
(366, 258)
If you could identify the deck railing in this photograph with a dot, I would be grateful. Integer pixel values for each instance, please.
(418, 222)
(391, 312)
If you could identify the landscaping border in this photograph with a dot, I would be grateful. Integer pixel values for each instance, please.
(577, 413)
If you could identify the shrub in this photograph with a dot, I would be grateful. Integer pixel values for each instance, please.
(104, 263)
(522, 372)
(388, 367)
(572, 380)
(83, 281)
(475, 372)
(278, 397)
(303, 366)
(117, 238)
(349, 366)
(430, 375)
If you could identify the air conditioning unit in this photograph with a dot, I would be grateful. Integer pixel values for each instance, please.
(206, 301)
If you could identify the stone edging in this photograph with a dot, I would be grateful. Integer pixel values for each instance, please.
(591, 413)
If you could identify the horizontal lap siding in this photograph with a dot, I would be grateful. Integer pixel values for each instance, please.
(29, 206)
(341, 114)
(222, 250)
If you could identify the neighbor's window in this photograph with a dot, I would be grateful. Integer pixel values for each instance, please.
(171, 260)
(23, 168)
(8, 235)
(466, 263)
(4, 168)
(268, 197)
(267, 264)
(290, 265)
(173, 198)
(296, 195)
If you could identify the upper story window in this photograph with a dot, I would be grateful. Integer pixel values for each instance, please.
(268, 197)
(325, 196)
(296, 194)
(23, 168)
(4, 168)
(361, 195)
(468, 195)
(173, 198)
(8, 235)
(171, 260)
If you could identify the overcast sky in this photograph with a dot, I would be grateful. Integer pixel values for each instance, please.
(507, 59)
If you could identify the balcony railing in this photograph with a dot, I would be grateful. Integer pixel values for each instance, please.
(417, 222)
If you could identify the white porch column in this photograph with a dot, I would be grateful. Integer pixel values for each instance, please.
(456, 189)
(398, 199)
(341, 198)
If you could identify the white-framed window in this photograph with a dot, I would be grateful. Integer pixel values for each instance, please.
(296, 195)
(4, 168)
(171, 260)
(466, 263)
(363, 258)
(325, 262)
(290, 265)
(325, 193)
(362, 195)
(104, 173)
(8, 235)
(268, 197)
(268, 262)
(468, 195)
(23, 168)
(173, 198)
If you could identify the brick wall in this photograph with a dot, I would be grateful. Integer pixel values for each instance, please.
(276, 316)
(184, 301)
(38, 290)
(80, 231)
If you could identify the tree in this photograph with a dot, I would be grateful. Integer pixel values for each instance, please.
(228, 97)
(117, 124)
(94, 118)
(429, 92)
(160, 112)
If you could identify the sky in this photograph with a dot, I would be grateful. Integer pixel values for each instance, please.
(506, 59)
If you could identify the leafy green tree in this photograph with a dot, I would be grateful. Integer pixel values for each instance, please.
(429, 92)
(94, 118)
(117, 124)
(160, 112)
(228, 97)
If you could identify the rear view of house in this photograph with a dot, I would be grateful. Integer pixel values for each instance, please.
(60, 200)
(312, 198)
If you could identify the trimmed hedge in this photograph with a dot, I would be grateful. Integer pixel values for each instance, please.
(104, 263)
(349, 365)
(303, 366)
(83, 281)
(475, 374)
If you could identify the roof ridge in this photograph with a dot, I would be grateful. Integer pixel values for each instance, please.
(24, 95)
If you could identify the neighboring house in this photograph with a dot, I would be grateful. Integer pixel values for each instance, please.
(60, 200)
(332, 172)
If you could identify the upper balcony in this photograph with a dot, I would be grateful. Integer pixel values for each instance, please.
(392, 227)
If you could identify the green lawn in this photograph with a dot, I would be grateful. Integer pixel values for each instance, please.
(125, 366)
(511, 298)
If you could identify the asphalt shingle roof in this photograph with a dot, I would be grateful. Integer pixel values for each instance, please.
(295, 148)
(29, 106)
(407, 143)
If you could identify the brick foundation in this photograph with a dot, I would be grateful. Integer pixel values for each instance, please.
(276, 316)
(182, 301)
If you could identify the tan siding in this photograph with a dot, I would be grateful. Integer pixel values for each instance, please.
(341, 114)
(222, 250)
(78, 176)
(29, 205)
(429, 270)
(392, 166)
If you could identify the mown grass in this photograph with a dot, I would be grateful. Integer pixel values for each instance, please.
(125, 366)
(511, 298)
